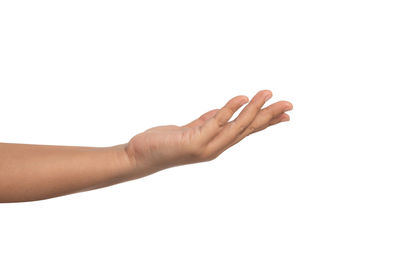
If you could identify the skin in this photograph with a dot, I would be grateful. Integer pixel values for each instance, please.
(36, 172)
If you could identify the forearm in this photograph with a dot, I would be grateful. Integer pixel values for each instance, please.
(34, 172)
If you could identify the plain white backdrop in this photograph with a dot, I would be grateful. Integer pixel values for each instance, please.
(320, 189)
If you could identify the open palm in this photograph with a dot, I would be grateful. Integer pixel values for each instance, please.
(208, 136)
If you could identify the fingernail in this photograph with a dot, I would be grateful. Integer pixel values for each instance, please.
(288, 108)
(267, 96)
(243, 101)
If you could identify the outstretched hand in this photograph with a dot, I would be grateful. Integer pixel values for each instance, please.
(207, 137)
(34, 172)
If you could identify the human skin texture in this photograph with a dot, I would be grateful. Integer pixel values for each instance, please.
(35, 172)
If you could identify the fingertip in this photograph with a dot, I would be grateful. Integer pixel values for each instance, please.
(287, 105)
(269, 92)
(243, 99)
(285, 117)
(266, 92)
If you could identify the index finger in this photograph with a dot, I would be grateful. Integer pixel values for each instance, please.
(219, 120)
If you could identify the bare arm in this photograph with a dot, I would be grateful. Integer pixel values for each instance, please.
(34, 172)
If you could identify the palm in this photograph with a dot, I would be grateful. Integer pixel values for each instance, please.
(162, 143)
(208, 136)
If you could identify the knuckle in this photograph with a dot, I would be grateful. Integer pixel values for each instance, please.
(269, 116)
(224, 115)
(251, 129)
(220, 122)
(240, 127)
(218, 119)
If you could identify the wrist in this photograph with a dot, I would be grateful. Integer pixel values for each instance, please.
(129, 165)
(125, 161)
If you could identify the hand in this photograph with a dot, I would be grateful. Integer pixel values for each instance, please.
(207, 137)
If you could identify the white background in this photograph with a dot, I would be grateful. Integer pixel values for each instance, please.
(320, 189)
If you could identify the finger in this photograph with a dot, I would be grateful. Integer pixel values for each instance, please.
(213, 125)
(281, 118)
(250, 112)
(245, 118)
(269, 114)
(202, 119)
(264, 120)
